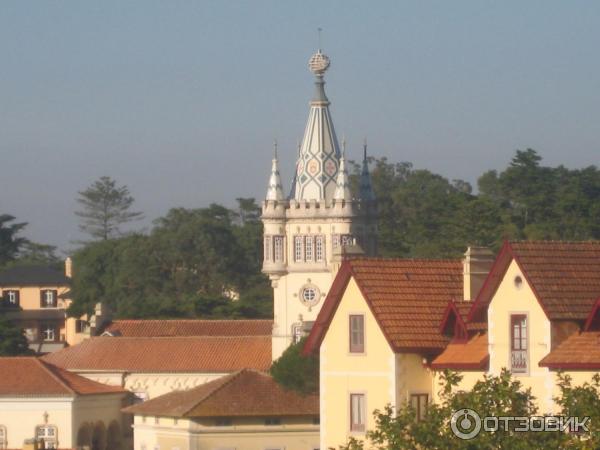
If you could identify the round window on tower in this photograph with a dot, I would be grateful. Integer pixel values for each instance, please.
(310, 295)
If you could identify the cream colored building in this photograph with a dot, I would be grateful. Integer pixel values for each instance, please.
(375, 334)
(246, 410)
(536, 315)
(36, 298)
(57, 409)
(389, 327)
(305, 233)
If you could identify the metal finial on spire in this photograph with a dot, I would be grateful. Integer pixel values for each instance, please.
(319, 32)
(365, 149)
(344, 146)
(275, 148)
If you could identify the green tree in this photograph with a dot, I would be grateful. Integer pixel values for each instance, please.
(492, 396)
(12, 339)
(296, 371)
(105, 208)
(10, 242)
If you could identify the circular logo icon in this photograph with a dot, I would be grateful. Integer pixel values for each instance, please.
(465, 424)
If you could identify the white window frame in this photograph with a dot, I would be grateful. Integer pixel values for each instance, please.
(12, 297)
(278, 248)
(49, 439)
(49, 299)
(298, 248)
(47, 331)
(362, 410)
(309, 248)
(320, 248)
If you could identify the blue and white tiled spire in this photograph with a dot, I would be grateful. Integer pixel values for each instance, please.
(319, 158)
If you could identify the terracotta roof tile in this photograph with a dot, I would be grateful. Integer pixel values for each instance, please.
(166, 354)
(579, 351)
(245, 393)
(191, 327)
(472, 355)
(32, 377)
(407, 296)
(564, 275)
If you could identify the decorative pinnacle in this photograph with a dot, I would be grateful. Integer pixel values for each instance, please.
(275, 148)
(319, 63)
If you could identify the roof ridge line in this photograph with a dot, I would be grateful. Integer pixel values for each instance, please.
(50, 369)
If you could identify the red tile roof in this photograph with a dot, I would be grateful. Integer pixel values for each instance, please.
(189, 327)
(469, 355)
(166, 354)
(32, 377)
(580, 351)
(244, 393)
(407, 297)
(565, 276)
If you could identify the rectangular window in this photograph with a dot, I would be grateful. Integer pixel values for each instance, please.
(267, 249)
(419, 403)
(278, 244)
(308, 248)
(347, 239)
(357, 412)
(80, 326)
(518, 343)
(48, 298)
(357, 333)
(48, 333)
(11, 298)
(320, 248)
(271, 421)
(298, 244)
(335, 240)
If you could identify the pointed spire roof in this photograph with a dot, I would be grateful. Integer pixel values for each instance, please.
(342, 190)
(319, 158)
(275, 189)
(366, 188)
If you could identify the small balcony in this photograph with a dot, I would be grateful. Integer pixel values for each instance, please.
(518, 361)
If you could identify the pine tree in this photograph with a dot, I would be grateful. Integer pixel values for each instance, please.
(106, 207)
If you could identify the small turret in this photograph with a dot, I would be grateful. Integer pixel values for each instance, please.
(342, 190)
(366, 188)
(275, 189)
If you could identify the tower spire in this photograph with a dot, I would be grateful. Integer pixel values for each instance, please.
(342, 190)
(319, 158)
(275, 189)
(366, 188)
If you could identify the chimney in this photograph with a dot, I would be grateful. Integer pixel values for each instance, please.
(476, 265)
(69, 267)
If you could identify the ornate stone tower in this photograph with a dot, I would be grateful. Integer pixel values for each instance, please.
(306, 235)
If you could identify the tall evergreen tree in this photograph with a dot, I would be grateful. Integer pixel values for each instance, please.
(105, 208)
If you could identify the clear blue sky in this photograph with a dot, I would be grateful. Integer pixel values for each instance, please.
(181, 100)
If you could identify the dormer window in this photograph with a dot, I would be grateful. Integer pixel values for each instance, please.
(48, 298)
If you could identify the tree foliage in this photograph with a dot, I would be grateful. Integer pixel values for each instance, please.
(194, 262)
(296, 371)
(105, 208)
(493, 396)
(12, 339)
(422, 214)
(10, 242)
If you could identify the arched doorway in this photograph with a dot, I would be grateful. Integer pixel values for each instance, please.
(114, 437)
(99, 437)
